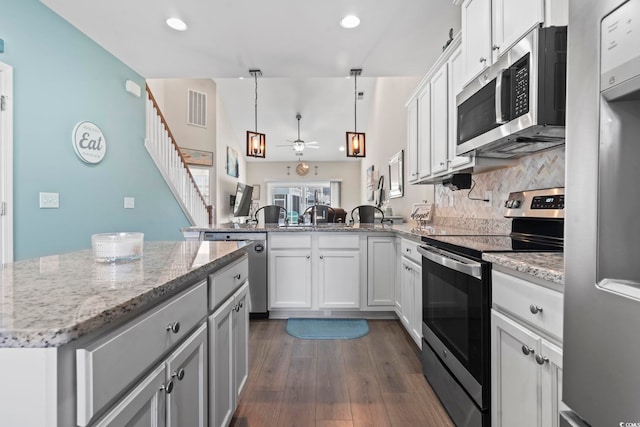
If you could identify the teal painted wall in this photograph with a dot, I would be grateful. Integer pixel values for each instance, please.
(62, 77)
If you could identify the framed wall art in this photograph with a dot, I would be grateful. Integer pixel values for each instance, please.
(197, 157)
(232, 162)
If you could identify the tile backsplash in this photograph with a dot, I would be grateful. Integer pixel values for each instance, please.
(539, 170)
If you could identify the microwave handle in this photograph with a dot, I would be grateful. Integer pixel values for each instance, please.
(499, 113)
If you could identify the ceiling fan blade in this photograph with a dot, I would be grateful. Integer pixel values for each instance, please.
(283, 145)
(312, 143)
(314, 147)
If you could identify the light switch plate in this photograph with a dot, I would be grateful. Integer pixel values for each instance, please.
(49, 200)
(129, 202)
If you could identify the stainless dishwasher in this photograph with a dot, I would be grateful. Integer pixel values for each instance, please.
(257, 267)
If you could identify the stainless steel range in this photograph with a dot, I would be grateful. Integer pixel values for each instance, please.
(456, 305)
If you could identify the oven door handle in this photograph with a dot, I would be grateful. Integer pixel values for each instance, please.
(471, 269)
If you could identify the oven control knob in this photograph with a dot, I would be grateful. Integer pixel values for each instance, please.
(444, 353)
(516, 204)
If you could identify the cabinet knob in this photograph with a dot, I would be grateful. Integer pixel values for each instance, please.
(308, 256)
(441, 163)
(527, 350)
(321, 256)
(535, 309)
(168, 388)
(408, 250)
(482, 59)
(241, 304)
(237, 276)
(541, 359)
(174, 327)
(495, 47)
(179, 375)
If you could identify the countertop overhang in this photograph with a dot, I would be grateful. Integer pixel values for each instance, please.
(53, 300)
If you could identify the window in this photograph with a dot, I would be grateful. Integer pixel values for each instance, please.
(201, 177)
(296, 197)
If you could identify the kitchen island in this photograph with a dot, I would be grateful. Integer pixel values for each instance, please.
(78, 337)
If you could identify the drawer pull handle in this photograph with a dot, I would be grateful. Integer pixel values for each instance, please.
(237, 276)
(174, 327)
(167, 388)
(526, 350)
(535, 309)
(179, 375)
(541, 359)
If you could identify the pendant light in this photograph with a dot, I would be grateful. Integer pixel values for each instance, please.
(256, 142)
(355, 140)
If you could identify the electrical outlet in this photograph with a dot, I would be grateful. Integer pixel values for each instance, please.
(49, 200)
(129, 203)
(487, 196)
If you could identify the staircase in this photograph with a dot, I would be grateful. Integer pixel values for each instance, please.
(164, 151)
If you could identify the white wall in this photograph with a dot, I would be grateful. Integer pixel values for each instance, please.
(386, 135)
(227, 136)
(260, 172)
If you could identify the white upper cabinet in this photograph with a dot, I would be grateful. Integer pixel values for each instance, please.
(424, 132)
(511, 20)
(456, 79)
(491, 27)
(412, 140)
(439, 120)
(476, 36)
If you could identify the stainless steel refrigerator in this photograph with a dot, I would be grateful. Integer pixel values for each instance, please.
(601, 375)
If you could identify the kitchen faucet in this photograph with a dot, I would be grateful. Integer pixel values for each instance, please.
(315, 208)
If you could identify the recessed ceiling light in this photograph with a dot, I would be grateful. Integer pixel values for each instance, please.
(341, 148)
(350, 21)
(177, 24)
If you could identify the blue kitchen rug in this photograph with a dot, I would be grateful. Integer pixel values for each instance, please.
(327, 329)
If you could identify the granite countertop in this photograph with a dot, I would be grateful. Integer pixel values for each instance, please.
(50, 301)
(547, 266)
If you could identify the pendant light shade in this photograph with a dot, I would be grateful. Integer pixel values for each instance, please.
(256, 142)
(356, 141)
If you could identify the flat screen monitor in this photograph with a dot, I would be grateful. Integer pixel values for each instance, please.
(242, 205)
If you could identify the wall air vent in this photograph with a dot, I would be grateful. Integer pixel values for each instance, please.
(197, 108)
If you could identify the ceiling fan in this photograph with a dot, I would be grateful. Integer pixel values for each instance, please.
(298, 144)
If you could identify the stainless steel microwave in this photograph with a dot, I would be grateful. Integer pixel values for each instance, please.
(517, 106)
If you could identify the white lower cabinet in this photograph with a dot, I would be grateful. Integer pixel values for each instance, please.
(338, 269)
(409, 307)
(526, 366)
(381, 271)
(228, 334)
(173, 394)
(290, 278)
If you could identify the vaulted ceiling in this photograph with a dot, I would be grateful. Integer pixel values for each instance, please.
(300, 47)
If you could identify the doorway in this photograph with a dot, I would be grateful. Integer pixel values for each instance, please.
(6, 164)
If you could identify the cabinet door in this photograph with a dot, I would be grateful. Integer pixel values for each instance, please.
(416, 321)
(512, 19)
(143, 407)
(187, 370)
(338, 278)
(398, 279)
(240, 340)
(424, 132)
(515, 385)
(290, 278)
(412, 140)
(221, 393)
(381, 271)
(456, 80)
(439, 121)
(550, 358)
(407, 294)
(476, 36)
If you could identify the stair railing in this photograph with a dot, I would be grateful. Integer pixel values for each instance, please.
(164, 151)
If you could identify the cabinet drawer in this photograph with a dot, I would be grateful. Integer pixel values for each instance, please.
(522, 298)
(290, 241)
(409, 249)
(106, 367)
(340, 241)
(224, 282)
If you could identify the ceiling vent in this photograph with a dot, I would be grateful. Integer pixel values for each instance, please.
(197, 109)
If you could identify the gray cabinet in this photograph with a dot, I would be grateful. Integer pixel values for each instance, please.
(228, 337)
(173, 394)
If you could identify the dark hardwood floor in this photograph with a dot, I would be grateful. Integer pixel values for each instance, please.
(371, 381)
